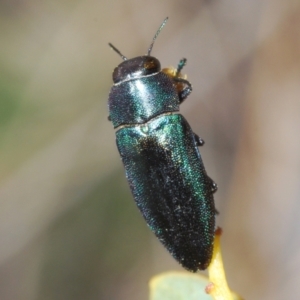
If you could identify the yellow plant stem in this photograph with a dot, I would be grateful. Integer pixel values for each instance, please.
(218, 288)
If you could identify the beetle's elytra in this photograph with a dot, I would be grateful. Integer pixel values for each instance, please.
(160, 154)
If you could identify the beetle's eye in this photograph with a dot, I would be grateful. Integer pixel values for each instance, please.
(150, 64)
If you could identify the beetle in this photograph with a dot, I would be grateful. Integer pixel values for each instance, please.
(160, 154)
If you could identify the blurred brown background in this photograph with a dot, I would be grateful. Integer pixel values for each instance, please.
(69, 228)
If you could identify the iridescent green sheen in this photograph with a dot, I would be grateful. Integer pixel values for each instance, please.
(138, 100)
(170, 186)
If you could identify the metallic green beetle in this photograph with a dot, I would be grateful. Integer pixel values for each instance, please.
(161, 158)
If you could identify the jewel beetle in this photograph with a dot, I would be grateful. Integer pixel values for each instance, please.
(160, 154)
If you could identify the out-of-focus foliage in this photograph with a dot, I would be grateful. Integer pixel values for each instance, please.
(179, 286)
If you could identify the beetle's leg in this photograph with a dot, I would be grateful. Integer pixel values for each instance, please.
(184, 92)
(199, 141)
(180, 66)
(214, 186)
(188, 89)
(109, 118)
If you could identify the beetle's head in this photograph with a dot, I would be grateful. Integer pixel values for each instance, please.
(135, 68)
(138, 66)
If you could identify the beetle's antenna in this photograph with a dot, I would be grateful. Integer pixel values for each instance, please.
(118, 51)
(157, 33)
